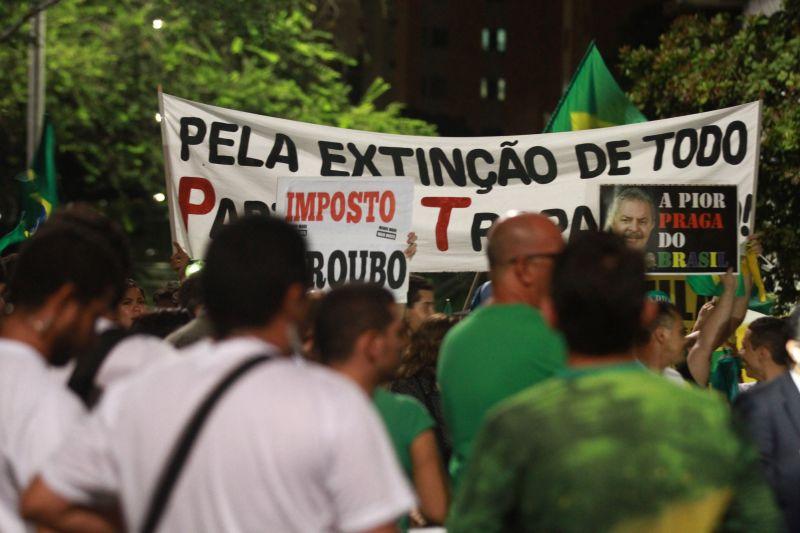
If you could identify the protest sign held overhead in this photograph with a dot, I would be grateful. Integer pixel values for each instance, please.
(223, 163)
(356, 229)
(682, 229)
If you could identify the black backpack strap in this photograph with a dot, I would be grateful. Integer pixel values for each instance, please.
(183, 446)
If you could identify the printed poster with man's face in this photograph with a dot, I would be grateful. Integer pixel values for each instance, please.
(681, 229)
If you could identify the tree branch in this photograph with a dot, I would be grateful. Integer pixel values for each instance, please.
(35, 10)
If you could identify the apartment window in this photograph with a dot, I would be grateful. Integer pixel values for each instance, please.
(493, 89)
(494, 40)
(501, 39)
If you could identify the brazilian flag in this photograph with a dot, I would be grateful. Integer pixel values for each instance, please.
(38, 194)
(593, 99)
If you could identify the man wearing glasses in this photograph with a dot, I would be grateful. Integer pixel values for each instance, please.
(505, 347)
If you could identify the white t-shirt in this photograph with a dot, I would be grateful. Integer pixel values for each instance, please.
(131, 355)
(288, 448)
(36, 411)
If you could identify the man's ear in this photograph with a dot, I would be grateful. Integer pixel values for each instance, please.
(56, 304)
(369, 344)
(764, 355)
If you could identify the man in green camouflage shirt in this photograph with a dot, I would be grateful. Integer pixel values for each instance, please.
(607, 445)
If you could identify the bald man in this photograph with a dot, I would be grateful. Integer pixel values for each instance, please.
(505, 347)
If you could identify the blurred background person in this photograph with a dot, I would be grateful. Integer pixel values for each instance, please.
(358, 332)
(771, 413)
(132, 305)
(417, 373)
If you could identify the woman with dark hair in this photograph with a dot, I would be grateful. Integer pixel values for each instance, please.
(132, 304)
(417, 373)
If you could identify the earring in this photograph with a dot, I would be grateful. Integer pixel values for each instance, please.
(40, 326)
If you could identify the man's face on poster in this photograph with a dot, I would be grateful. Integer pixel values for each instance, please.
(634, 220)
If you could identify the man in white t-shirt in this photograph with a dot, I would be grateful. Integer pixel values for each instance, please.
(66, 277)
(288, 448)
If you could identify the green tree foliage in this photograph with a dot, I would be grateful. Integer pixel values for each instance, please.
(105, 60)
(702, 64)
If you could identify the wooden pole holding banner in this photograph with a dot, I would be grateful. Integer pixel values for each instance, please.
(471, 292)
(36, 82)
(167, 178)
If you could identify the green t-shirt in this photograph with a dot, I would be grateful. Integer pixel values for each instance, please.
(494, 353)
(613, 448)
(405, 418)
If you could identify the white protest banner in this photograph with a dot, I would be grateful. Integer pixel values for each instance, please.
(222, 163)
(356, 228)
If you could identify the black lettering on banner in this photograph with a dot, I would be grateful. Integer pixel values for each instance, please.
(215, 140)
(328, 158)
(315, 262)
(581, 151)
(487, 183)
(377, 265)
(550, 160)
(691, 135)
(337, 278)
(455, 169)
(363, 160)
(396, 270)
(511, 168)
(226, 212)
(481, 223)
(244, 143)
(362, 254)
(582, 214)
(188, 139)
(661, 140)
(397, 154)
(737, 126)
(615, 156)
(560, 217)
(275, 157)
(422, 165)
(713, 131)
(254, 207)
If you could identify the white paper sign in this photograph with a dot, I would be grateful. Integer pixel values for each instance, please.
(356, 228)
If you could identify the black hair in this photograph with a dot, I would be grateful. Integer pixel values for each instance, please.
(249, 267)
(416, 283)
(666, 315)
(771, 333)
(598, 291)
(167, 294)
(62, 253)
(160, 322)
(345, 314)
(85, 218)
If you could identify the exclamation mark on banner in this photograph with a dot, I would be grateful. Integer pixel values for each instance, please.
(748, 204)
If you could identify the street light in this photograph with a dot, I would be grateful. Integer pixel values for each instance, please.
(159, 197)
(157, 24)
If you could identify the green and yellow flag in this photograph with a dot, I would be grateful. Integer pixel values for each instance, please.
(38, 193)
(593, 99)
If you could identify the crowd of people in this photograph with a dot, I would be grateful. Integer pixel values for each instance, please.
(570, 399)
